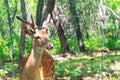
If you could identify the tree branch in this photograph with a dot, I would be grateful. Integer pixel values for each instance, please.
(112, 11)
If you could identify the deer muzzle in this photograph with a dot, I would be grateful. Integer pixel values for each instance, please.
(49, 46)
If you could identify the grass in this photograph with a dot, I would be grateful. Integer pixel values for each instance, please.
(80, 66)
(89, 66)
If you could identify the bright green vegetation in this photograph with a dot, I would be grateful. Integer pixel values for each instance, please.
(80, 64)
(85, 65)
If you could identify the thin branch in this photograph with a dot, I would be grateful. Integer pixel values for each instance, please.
(10, 26)
(112, 11)
(15, 10)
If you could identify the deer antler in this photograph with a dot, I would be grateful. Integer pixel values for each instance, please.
(48, 17)
(24, 21)
(46, 22)
(32, 25)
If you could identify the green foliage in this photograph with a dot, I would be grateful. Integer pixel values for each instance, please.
(88, 17)
(73, 44)
(113, 43)
(3, 72)
(85, 65)
(93, 43)
(67, 69)
(5, 48)
(56, 46)
(8, 67)
(28, 44)
(62, 1)
(113, 4)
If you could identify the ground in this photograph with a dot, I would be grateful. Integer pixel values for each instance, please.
(82, 66)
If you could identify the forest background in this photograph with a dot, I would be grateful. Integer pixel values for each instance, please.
(91, 29)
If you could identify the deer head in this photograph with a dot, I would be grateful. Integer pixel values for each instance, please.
(40, 37)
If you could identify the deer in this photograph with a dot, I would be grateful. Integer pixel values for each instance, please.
(38, 65)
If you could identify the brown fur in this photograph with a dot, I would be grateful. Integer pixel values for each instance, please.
(46, 66)
(38, 65)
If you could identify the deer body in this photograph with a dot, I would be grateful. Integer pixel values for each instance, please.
(38, 65)
(47, 70)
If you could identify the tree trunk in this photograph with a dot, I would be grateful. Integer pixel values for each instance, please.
(22, 37)
(39, 13)
(58, 28)
(103, 17)
(49, 9)
(77, 26)
(10, 27)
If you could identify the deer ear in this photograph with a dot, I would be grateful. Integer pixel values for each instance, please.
(27, 29)
(24, 27)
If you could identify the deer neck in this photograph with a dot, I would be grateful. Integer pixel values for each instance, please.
(34, 57)
(36, 49)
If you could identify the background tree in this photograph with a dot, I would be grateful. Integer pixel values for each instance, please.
(10, 22)
(57, 26)
(88, 13)
(77, 26)
(22, 37)
(39, 11)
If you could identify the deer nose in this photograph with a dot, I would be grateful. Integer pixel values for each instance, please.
(49, 46)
